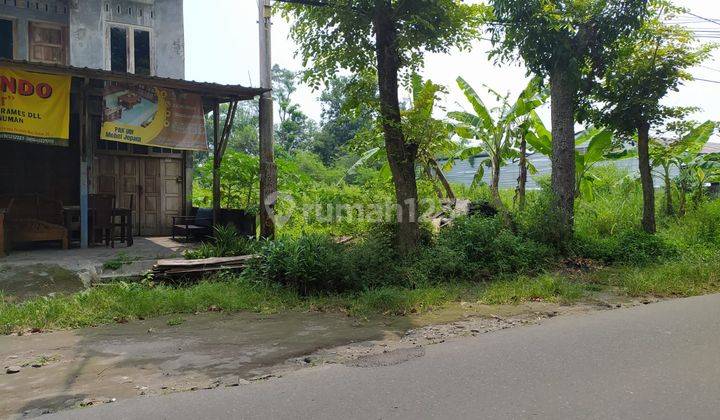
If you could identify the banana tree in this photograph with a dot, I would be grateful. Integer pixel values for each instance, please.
(600, 147)
(664, 156)
(496, 134)
(694, 175)
(431, 136)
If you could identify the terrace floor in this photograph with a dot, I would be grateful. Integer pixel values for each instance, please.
(39, 272)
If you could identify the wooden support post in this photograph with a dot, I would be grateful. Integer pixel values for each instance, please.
(216, 164)
(84, 153)
(268, 170)
(2, 233)
(188, 170)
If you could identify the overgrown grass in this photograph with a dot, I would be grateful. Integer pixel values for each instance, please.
(684, 278)
(402, 301)
(121, 302)
(118, 261)
(547, 288)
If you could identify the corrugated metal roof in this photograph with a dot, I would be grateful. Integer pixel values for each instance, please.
(214, 90)
(710, 148)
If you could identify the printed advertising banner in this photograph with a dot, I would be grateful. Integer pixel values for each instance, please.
(34, 107)
(153, 117)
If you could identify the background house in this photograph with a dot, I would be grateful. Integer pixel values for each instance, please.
(142, 37)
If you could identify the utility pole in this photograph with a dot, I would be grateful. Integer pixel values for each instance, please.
(268, 170)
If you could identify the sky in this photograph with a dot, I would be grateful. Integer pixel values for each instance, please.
(221, 42)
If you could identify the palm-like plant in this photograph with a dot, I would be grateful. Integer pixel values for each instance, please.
(682, 153)
(600, 147)
(496, 134)
(431, 136)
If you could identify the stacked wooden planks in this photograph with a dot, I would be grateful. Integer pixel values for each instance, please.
(181, 267)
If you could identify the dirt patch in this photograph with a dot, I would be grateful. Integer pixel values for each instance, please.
(19, 283)
(388, 358)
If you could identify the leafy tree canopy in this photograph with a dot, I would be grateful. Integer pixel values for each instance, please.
(574, 33)
(339, 35)
(650, 63)
(347, 108)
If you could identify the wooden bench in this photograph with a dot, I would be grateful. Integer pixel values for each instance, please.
(31, 218)
(194, 227)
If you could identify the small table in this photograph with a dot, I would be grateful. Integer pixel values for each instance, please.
(129, 100)
(72, 222)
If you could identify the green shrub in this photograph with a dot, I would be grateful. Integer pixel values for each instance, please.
(477, 248)
(373, 260)
(613, 205)
(699, 228)
(628, 247)
(226, 242)
(310, 264)
(316, 263)
(539, 222)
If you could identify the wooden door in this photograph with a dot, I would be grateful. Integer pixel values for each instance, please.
(107, 172)
(150, 197)
(153, 186)
(172, 196)
(129, 187)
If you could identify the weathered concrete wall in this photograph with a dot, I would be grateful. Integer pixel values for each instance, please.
(22, 12)
(169, 39)
(89, 20)
(87, 34)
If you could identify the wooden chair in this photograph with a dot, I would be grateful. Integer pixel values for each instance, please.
(125, 224)
(101, 208)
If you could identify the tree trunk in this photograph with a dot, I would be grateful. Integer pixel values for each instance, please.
(682, 201)
(216, 193)
(401, 155)
(522, 179)
(443, 180)
(563, 102)
(669, 208)
(648, 189)
(495, 190)
(431, 177)
(495, 181)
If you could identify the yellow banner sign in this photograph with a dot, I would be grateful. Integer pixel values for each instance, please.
(153, 116)
(34, 107)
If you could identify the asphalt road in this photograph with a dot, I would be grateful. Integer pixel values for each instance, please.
(659, 361)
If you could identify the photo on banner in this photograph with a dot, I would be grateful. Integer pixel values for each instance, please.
(34, 107)
(153, 116)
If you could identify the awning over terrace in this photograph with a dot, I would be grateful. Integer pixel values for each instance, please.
(213, 92)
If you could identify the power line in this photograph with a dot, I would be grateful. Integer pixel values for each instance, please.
(305, 2)
(710, 68)
(704, 18)
(706, 80)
